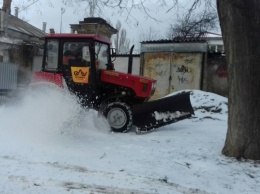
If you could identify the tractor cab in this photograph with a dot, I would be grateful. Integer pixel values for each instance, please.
(78, 59)
(89, 52)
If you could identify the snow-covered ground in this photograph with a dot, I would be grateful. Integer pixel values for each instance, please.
(48, 144)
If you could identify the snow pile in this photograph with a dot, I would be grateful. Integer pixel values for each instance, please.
(206, 105)
(209, 106)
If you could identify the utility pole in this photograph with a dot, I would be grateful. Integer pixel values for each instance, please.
(62, 12)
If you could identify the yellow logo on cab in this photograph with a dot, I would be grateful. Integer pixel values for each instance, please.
(80, 74)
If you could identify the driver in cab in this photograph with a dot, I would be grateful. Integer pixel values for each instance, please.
(72, 53)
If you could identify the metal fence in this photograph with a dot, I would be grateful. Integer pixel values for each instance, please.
(8, 78)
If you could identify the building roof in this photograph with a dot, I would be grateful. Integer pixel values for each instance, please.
(94, 20)
(16, 25)
(175, 40)
(80, 36)
(213, 38)
(21, 26)
(98, 20)
(201, 37)
(8, 40)
(94, 25)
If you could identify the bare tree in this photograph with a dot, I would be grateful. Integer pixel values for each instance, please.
(116, 37)
(91, 7)
(123, 7)
(190, 25)
(25, 5)
(120, 39)
(123, 38)
(240, 24)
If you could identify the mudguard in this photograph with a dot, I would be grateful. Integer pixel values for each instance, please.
(162, 112)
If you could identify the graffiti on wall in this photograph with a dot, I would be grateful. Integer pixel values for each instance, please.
(183, 80)
(183, 73)
(157, 68)
(182, 69)
(221, 71)
(188, 61)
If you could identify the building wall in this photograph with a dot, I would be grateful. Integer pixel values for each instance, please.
(175, 66)
(190, 65)
(217, 74)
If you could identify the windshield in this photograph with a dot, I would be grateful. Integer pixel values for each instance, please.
(75, 52)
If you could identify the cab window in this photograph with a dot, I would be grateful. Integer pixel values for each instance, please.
(101, 54)
(75, 52)
(51, 58)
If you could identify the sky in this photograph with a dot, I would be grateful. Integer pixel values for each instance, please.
(49, 144)
(137, 24)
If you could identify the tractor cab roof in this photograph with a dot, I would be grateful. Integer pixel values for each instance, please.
(78, 36)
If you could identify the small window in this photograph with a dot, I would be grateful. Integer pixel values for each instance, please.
(101, 52)
(51, 59)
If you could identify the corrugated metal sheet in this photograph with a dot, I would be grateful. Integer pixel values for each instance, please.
(8, 76)
(24, 27)
(182, 47)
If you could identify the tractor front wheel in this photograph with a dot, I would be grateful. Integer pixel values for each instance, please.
(119, 116)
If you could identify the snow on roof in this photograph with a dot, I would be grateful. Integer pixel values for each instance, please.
(8, 40)
(18, 25)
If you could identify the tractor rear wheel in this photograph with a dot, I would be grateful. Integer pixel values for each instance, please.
(119, 116)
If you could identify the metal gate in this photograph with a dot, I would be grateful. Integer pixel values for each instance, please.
(8, 77)
(173, 71)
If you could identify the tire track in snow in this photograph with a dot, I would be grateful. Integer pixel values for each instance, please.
(89, 178)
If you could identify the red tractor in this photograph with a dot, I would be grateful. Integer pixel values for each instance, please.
(82, 64)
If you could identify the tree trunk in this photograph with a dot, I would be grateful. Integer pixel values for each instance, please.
(240, 24)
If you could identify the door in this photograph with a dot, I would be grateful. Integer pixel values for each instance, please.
(185, 71)
(157, 66)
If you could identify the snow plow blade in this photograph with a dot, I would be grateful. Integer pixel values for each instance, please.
(162, 112)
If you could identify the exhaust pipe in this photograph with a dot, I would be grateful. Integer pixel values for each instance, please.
(130, 60)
